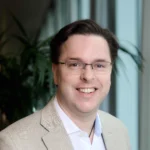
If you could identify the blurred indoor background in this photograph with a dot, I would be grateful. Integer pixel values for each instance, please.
(129, 20)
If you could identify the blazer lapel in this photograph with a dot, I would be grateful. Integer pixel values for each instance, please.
(56, 137)
(109, 138)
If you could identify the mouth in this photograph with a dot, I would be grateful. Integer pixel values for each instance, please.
(87, 90)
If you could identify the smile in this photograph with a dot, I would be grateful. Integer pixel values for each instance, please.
(86, 90)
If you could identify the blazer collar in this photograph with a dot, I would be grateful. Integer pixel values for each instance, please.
(56, 137)
(57, 133)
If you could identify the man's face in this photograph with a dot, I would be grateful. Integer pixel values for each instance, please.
(82, 91)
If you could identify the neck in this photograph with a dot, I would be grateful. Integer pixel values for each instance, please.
(85, 124)
(85, 121)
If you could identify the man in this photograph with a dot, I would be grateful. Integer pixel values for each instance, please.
(82, 54)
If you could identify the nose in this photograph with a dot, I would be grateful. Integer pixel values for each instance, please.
(87, 74)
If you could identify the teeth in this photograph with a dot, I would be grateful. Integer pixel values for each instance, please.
(87, 90)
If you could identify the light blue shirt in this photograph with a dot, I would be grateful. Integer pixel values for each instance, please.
(80, 139)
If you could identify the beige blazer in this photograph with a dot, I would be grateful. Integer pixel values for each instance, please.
(44, 130)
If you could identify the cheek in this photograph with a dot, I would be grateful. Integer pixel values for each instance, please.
(109, 81)
(105, 84)
(63, 78)
(105, 80)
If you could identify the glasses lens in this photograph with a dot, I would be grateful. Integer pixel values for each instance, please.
(74, 65)
(101, 66)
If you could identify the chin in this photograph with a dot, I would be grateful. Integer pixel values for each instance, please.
(87, 109)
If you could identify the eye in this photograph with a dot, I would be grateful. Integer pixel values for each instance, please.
(74, 64)
(99, 65)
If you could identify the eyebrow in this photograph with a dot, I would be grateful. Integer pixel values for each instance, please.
(96, 60)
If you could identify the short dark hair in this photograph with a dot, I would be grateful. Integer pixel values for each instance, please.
(83, 27)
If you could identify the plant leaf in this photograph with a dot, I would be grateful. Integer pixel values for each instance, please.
(2, 44)
(20, 26)
(22, 40)
(45, 42)
(41, 65)
(26, 56)
(136, 58)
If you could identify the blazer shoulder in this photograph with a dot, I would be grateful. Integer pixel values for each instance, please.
(16, 134)
(108, 119)
(25, 122)
(111, 124)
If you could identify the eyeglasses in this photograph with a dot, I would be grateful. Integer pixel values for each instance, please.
(98, 66)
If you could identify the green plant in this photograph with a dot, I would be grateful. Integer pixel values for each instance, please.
(27, 84)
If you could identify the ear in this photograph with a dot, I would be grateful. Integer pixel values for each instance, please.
(55, 73)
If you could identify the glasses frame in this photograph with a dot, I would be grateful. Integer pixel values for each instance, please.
(85, 64)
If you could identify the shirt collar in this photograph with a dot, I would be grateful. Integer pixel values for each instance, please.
(68, 123)
(70, 126)
(98, 126)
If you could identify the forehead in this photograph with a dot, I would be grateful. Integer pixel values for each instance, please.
(85, 47)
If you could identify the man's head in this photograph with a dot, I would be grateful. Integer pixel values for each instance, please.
(82, 56)
(83, 27)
